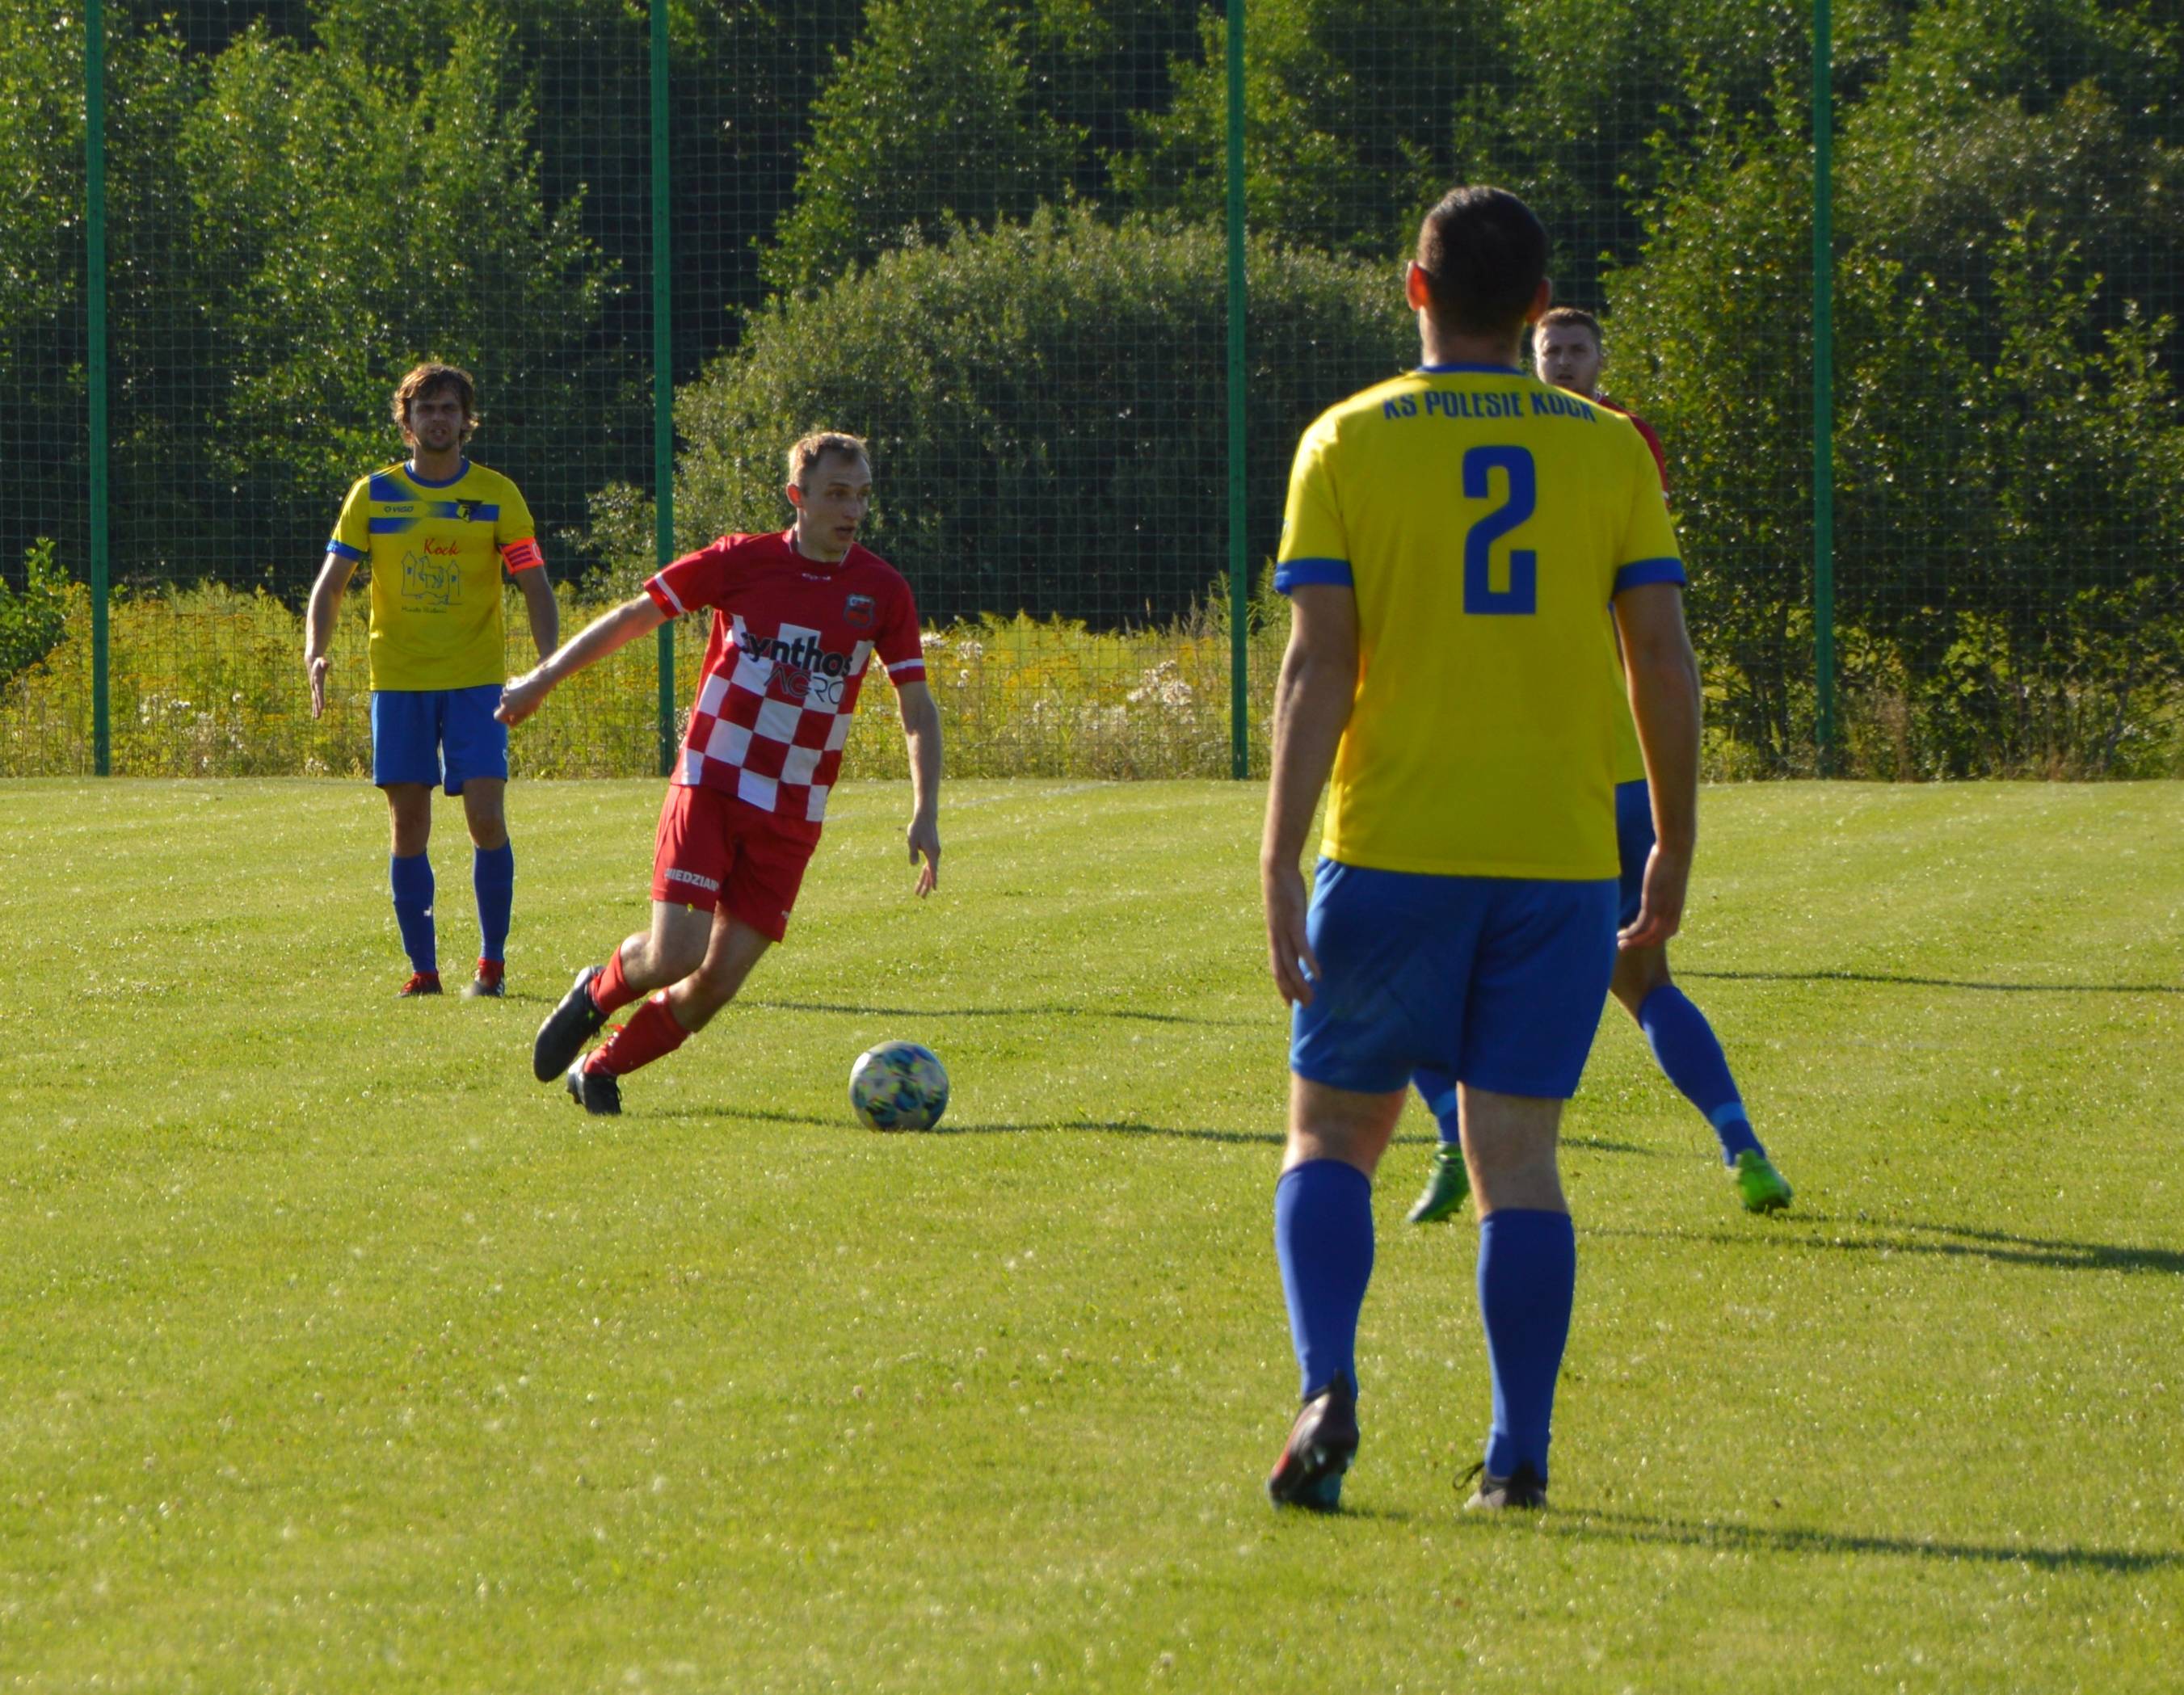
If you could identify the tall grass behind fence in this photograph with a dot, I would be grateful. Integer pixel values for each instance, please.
(208, 683)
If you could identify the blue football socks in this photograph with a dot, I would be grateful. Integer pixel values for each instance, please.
(1437, 1089)
(1527, 1281)
(412, 880)
(492, 875)
(1323, 1236)
(1691, 1057)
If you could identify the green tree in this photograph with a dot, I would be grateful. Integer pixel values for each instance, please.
(1357, 116)
(742, 75)
(40, 274)
(928, 119)
(1712, 344)
(1046, 406)
(378, 215)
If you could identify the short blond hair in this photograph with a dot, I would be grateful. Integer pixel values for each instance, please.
(429, 376)
(812, 448)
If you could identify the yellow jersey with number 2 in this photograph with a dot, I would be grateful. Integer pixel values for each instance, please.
(1485, 520)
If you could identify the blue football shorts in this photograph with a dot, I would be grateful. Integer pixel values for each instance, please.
(1634, 841)
(433, 735)
(1494, 981)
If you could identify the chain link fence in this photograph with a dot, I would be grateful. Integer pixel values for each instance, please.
(997, 237)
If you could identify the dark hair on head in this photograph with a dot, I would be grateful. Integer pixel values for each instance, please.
(423, 379)
(1557, 316)
(1484, 255)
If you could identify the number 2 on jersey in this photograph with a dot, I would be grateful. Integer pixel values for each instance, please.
(1522, 596)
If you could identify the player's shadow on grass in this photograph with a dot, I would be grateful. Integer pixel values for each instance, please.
(1603, 1144)
(1954, 1241)
(1883, 976)
(1119, 1127)
(1110, 1127)
(909, 1013)
(955, 1127)
(2045, 1251)
(1731, 1538)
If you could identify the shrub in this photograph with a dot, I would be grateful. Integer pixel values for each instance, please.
(32, 619)
(1055, 393)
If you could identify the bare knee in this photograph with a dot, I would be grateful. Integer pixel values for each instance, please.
(717, 979)
(1510, 1145)
(733, 949)
(408, 817)
(485, 811)
(1638, 971)
(1339, 1125)
(671, 958)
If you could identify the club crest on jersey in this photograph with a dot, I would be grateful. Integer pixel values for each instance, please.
(861, 612)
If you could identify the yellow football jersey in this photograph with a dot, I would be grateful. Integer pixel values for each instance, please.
(436, 550)
(1485, 521)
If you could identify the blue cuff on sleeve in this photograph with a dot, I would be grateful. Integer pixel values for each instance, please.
(344, 551)
(1641, 571)
(1292, 574)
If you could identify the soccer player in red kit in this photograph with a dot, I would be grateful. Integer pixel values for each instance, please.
(797, 618)
(1566, 346)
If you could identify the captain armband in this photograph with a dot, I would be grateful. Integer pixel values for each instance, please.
(523, 555)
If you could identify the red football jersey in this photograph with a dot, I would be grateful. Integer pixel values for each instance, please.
(1645, 429)
(791, 639)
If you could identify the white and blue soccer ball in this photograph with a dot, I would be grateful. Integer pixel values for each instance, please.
(899, 1086)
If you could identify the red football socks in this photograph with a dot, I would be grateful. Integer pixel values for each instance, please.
(610, 989)
(650, 1034)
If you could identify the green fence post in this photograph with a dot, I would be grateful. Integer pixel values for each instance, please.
(1824, 383)
(663, 376)
(94, 223)
(1240, 565)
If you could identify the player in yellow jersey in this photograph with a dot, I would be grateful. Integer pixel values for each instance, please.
(1462, 548)
(1568, 352)
(437, 531)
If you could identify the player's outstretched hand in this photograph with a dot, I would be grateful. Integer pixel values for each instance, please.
(1288, 954)
(1660, 901)
(520, 697)
(924, 837)
(316, 667)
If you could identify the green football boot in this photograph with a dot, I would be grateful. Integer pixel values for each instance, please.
(1759, 1186)
(1448, 1185)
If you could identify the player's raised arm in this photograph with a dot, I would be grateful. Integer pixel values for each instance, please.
(524, 695)
(319, 623)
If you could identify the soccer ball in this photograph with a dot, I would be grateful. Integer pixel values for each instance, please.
(898, 1086)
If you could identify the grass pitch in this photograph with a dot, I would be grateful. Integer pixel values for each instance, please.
(336, 1354)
